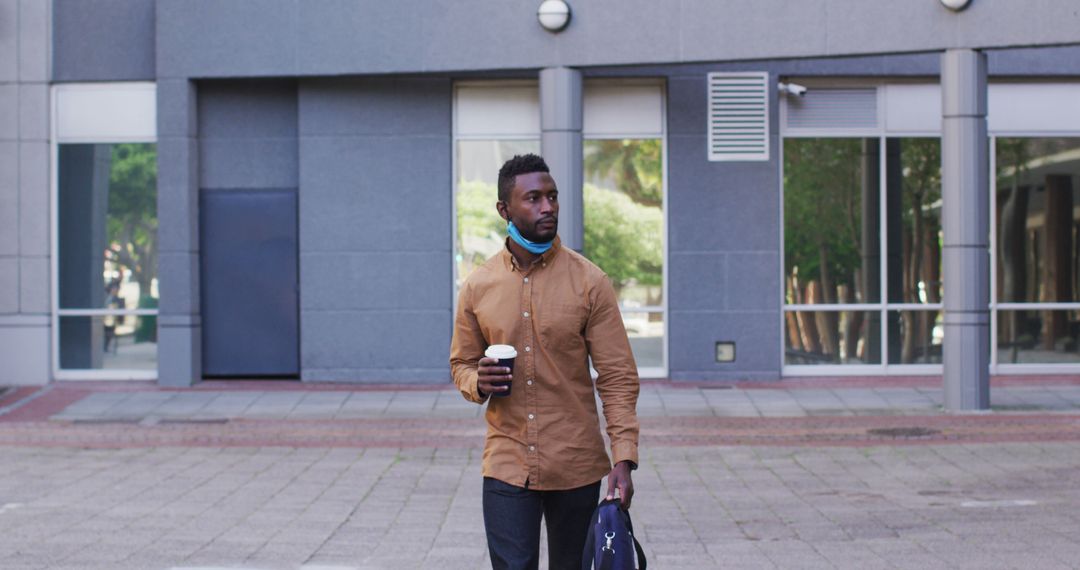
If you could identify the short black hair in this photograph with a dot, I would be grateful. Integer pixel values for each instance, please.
(520, 164)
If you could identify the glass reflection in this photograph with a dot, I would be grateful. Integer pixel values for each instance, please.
(1037, 199)
(831, 221)
(107, 208)
(915, 337)
(913, 190)
(111, 342)
(624, 217)
(480, 230)
(832, 337)
(1044, 337)
(646, 333)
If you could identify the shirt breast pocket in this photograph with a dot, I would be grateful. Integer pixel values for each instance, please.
(561, 326)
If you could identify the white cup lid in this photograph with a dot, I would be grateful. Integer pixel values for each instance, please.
(500, 351)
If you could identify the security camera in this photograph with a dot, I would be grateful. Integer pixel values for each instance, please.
(792, 89)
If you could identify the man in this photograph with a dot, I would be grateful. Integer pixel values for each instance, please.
(544, 454)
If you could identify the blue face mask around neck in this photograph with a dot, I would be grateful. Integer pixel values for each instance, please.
(531, 246)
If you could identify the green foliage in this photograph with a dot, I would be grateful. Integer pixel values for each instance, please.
(822, 206)
(623, 237)
(634, 165)
(480, 230)
(132, 217)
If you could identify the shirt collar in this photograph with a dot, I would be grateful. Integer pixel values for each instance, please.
(544, 259)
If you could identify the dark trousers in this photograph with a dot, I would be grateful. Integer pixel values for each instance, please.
(512, 520)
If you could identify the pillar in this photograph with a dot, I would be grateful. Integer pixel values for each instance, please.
(965, 225)
(561, 145)
(179, 321)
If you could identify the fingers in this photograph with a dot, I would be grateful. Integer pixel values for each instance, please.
(610, 489)
(626, 494)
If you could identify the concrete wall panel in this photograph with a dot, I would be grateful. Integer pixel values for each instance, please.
(24, 350)
(34, 32)
(9, 285)
(9, 40)
(208, 38)
(248, 163)
(9, 198)
(103, 40)
(375, 230)
(378, 106)
(375, 280)
(9, 111)
(375, 193)
(34, 285)
(34, 190)
(376, 346)
(694, 335)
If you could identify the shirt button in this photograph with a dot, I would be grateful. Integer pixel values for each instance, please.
(532, 448)
(526, 314)
(529, 382)
(531, 416)
(527, 349)
(526, 279)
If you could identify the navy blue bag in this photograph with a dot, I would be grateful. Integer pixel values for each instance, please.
(611, 544)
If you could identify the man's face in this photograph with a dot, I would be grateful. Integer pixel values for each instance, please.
(533, 206)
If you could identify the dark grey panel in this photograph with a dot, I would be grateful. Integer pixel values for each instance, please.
(383, 341)
(376, 193)
(247, 134)
(692, 347)
(220, 39)
(249, 283)
(248, 163)
(376, 280)
(247, 109)
(103, 40)
(698, 281)
(1061, 60)
(716, 206)
(373, 106)
(753, 281)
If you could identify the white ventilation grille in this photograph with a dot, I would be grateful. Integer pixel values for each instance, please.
(739, 116)
(833, 109)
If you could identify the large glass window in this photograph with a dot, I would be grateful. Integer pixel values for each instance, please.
(624, 234)
(1037, 225)
(107, 256)
(480, 231)
(862, 251)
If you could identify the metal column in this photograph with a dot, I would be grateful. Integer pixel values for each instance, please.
(966, 228)
(560, 143)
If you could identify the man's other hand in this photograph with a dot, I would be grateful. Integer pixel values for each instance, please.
(619, 479)
(488, 371)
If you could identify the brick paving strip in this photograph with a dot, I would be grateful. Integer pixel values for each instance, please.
(468, 433)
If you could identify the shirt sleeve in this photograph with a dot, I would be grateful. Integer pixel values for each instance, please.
(466, 348)
(617, 380)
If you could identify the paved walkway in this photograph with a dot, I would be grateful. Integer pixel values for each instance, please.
(263, 476)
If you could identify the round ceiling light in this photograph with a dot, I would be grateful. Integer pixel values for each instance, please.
(554, 15)
(956, 5)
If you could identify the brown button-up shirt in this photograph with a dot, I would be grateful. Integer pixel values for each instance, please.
(557, 314)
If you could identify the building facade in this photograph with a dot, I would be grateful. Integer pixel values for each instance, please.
(196, 189)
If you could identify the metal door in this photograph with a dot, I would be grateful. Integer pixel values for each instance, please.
(249, 283)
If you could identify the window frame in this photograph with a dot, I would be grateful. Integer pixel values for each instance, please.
(1004, 124)
(137, 125)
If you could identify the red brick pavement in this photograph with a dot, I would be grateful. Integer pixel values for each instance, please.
(857, 431)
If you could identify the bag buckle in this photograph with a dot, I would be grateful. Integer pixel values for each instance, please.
(609, 536)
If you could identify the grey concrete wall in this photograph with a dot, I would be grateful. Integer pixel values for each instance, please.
(24, 192)
(375, 229)
(103, 40)
(209, 38)
(247, 134)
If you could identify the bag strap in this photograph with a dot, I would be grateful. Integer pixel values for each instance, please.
(642, 563)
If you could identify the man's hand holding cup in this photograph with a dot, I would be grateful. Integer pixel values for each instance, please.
(495, 371)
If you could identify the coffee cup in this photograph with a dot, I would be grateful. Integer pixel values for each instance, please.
(505, 354)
